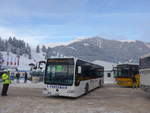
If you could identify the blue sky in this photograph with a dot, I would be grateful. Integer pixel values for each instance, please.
(48, 21)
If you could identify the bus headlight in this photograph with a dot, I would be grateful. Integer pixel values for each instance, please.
(70, 91)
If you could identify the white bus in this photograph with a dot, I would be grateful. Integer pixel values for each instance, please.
(71, 77)
(145, 73)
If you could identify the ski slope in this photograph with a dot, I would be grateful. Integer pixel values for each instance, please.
(24, 60)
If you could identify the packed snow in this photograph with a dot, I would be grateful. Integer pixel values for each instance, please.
(108, 99)
(29, 84)
(85, 44)
(72, 48)
(129, 41)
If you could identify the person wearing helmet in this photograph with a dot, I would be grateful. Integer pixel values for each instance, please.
(6, 81)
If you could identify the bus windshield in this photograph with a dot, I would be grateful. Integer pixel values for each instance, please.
(123, 72)
(126, 71)
(59, 74)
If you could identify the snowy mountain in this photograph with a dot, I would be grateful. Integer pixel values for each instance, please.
(97, 48)
(94, 49)
(64, 43)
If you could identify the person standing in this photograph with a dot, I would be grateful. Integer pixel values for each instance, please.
(134, 82)
(18, 77)
(25, 77)
(6, 81)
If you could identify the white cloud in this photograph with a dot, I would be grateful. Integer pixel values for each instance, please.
(39, 21)
(6, 33)
(33, 40)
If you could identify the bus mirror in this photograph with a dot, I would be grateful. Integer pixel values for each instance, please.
(79, 69)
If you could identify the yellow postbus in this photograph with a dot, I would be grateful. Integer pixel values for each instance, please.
(124, 74)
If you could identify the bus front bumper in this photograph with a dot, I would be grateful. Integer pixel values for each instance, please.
(65, 93)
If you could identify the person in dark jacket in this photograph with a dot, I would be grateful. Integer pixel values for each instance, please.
(25, 77)
(134, 82)
(18, 77)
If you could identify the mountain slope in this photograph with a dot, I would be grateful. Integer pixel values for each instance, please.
(97, 48)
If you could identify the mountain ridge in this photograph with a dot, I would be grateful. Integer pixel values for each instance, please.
(97, 48)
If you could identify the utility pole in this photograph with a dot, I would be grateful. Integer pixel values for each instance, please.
(8, 51)
(18, 56)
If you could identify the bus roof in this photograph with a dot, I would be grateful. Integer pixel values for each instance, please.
(93, 64)
(131, 64)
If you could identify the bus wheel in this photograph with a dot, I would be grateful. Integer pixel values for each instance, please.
(86, 88)
(100, 84)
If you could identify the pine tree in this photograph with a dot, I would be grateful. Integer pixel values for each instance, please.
(48, 53)
(29, 52)
(38, 49)
(44, 49)
(18, 47)
(1, 60)
(1, 56)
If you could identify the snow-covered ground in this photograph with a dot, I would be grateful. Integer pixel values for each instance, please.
(109, 99)
(29, 84)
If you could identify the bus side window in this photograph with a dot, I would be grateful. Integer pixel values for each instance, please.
(101, 74)
(86, 71)
(97, 73)
(78, 75)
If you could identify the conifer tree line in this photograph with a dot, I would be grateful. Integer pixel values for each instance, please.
(41, 49)
(18, 47)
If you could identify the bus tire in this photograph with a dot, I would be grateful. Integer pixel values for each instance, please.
(86, 88)
(100, 84)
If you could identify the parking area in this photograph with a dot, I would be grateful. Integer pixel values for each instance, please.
(109, 99)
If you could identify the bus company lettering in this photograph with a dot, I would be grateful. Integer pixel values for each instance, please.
(56, 86)
(57, 60)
